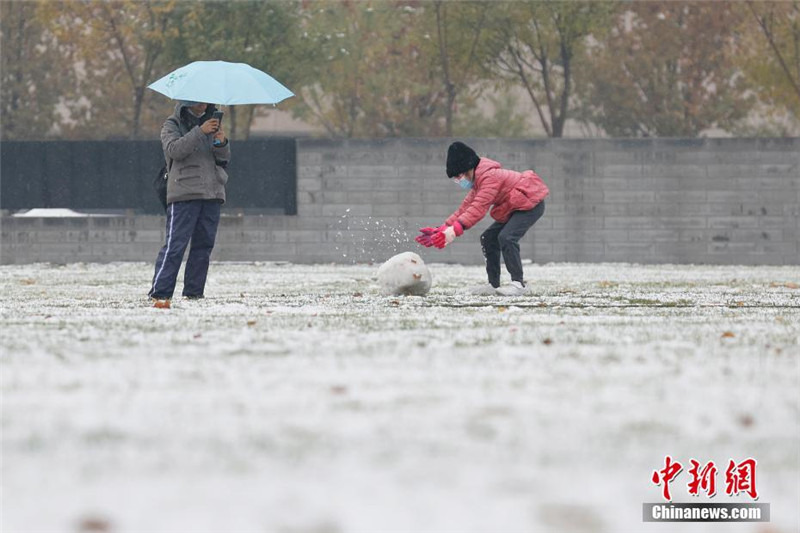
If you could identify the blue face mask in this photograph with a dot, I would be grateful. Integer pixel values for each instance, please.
(465, 184)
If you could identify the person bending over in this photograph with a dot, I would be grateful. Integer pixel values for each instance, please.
(516, 200)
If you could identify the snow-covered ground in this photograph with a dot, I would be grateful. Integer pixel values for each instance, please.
(299, 399)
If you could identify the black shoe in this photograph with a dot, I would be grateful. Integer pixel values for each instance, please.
(193, 296)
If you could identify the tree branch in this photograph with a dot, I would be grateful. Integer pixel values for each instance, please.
(115, 35)
(771, 40)
(531, 93)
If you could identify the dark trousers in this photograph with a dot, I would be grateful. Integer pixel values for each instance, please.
(504, 238)
(195, 220)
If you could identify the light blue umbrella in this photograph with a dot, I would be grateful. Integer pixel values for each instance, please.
(220, 82)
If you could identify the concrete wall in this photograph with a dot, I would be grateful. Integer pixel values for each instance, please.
(718, 201)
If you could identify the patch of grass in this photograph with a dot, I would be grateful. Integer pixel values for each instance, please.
(681, 302)
(644, 302)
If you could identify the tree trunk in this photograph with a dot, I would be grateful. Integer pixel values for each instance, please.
(449, 87)
(246, 122)
(18, 75)
(232, 131)
(561, 118)
(137, 111)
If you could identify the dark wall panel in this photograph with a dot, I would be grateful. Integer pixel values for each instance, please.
(258, 173)
(117, 175)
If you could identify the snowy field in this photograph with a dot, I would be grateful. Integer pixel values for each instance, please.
(298, 399)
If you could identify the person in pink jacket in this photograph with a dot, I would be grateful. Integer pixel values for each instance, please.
(516, 200)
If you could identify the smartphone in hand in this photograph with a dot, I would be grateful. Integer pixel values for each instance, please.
(218, 116)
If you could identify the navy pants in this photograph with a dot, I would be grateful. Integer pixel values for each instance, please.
(504, 238)
(195, 221)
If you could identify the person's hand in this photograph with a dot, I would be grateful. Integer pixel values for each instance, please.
(210, 126)
(440, 239)
(219, 136)
(425, 239)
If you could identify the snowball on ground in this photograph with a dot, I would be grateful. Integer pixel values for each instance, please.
(405, 274)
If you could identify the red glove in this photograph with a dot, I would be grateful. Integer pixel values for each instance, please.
(442, 238)
(427, 235)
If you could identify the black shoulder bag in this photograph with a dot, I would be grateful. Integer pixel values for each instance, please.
(160, 183)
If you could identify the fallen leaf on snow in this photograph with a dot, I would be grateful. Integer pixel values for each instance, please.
(746, 420)
(728, 334)
(94, 524)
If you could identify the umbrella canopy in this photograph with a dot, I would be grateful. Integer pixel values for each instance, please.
(220, 82)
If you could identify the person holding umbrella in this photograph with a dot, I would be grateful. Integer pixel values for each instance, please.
(196, 151)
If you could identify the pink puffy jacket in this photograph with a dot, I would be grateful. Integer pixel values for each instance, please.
(507, 190)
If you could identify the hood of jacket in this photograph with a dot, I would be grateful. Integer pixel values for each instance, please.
(184, 116)
(484, 166)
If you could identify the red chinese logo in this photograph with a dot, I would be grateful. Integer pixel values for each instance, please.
(665, 475)
(703, 478)
(739, 478)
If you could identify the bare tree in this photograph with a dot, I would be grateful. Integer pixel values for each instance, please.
(539, 55)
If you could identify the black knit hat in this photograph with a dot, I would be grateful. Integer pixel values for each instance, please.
(460, 158)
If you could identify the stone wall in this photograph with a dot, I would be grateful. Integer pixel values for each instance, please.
(714, 201)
